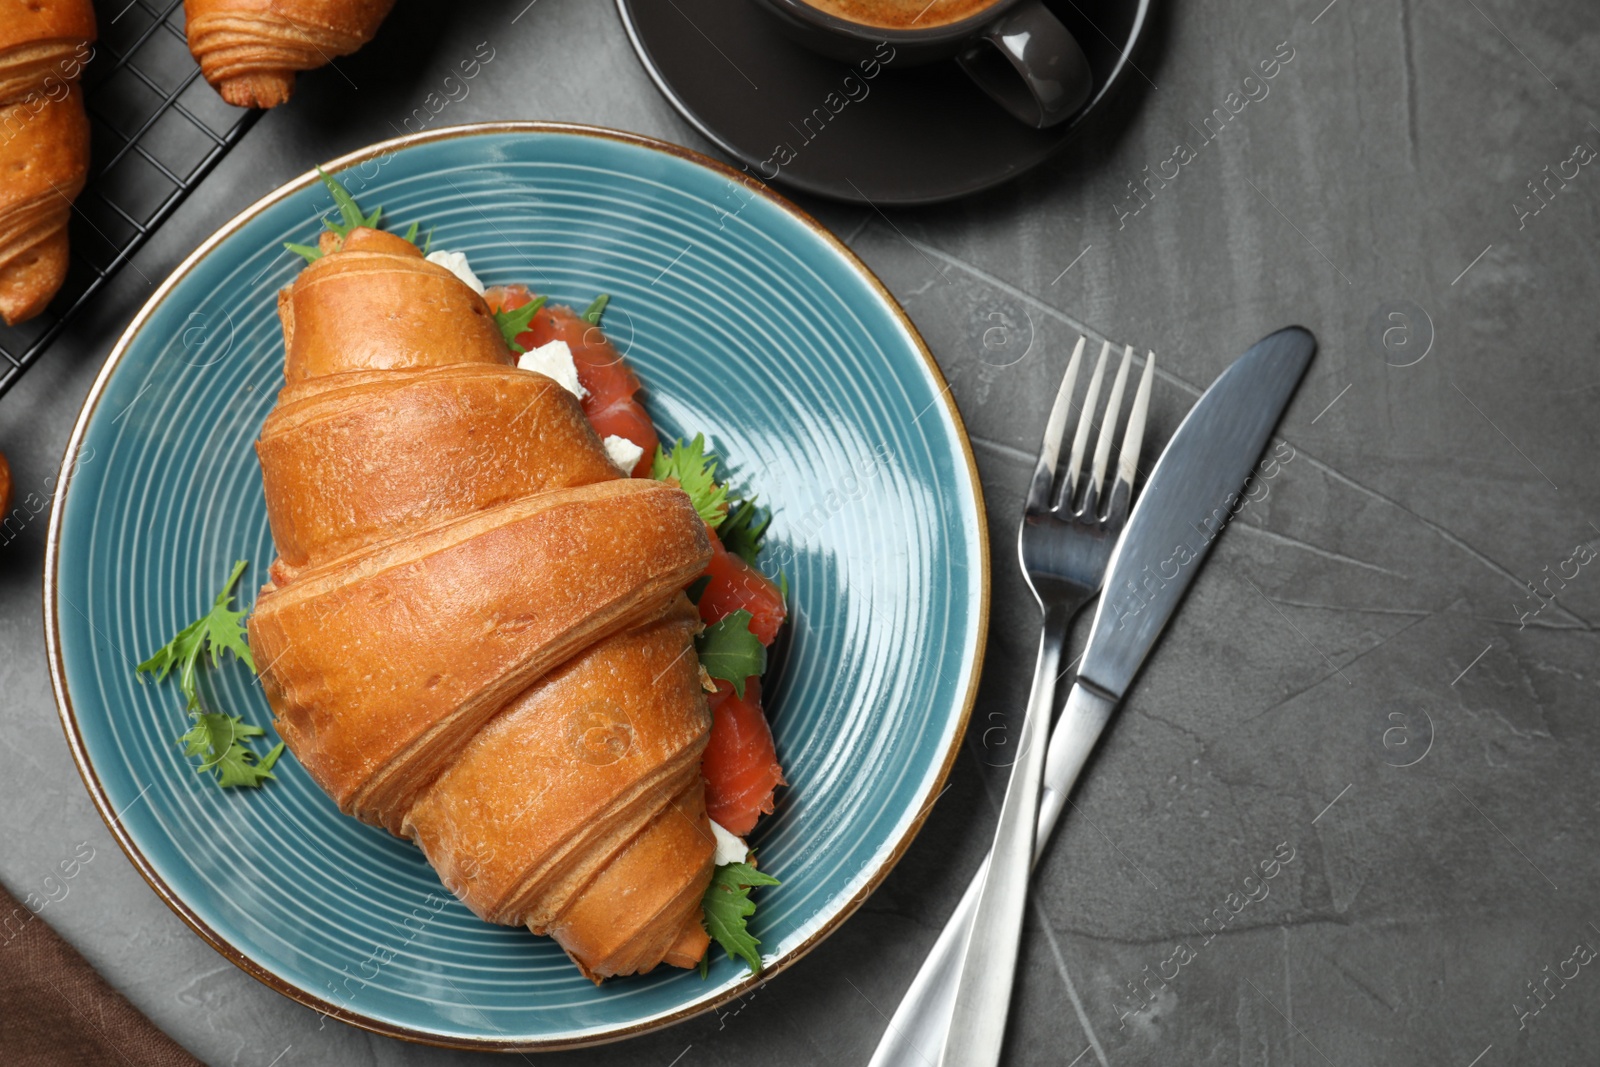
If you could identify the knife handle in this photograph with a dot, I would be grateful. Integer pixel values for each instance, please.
(916, 1035)
(1082, 721)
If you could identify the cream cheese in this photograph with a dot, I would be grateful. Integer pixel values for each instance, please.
(553, 359)
(456, 263)
(730, 849)
(623, 452)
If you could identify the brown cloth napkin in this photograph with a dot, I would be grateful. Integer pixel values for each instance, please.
(56, 1010)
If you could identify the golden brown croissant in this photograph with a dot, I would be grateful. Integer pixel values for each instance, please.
(476, 634)
(249, 50)
(44, 146)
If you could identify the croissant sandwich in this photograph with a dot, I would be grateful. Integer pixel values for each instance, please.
(44, 146)
(249, 50)
(476, 633)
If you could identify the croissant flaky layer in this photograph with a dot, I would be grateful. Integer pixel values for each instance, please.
(376, 452)
(250, 50)
(47, 64)
(594, 775)
(376, 304)
(385, 664)
(44, 146)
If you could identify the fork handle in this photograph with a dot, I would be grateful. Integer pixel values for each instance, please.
(989, 958)
(916, 1035)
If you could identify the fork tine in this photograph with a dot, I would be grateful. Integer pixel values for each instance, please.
(1128, 465)
(1108, 425)
(1044, 473)
(1132, 441)
(1080, 439)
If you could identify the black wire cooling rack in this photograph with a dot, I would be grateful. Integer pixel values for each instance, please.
(157, 130)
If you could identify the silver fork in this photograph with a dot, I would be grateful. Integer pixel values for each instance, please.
(1069, 526)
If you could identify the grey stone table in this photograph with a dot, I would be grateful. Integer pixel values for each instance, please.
(1361, 680)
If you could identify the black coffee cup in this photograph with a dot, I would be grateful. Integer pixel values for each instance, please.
(1015, 50)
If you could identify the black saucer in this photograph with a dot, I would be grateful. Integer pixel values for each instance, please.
(907, 136)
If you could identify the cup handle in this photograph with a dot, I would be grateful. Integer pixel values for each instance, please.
(1030, 65)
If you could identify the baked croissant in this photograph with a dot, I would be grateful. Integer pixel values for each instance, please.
(249, 50)
(476, 634)
(44, 146)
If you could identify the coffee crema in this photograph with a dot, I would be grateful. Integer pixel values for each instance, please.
(902, 14)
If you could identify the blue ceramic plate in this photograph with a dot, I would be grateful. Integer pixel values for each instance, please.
(748, 322)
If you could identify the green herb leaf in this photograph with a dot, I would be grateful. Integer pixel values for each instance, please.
(349, 211)
(516, 321)
(745, 529)
(696, 474)
(216, 630)
(350, 217)
(592, 314)
(728, 650)
(218, 741)
(728, 908)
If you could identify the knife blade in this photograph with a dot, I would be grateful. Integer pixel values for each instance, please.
(1191, 493)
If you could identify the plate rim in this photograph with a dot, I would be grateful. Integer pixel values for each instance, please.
(52, 563)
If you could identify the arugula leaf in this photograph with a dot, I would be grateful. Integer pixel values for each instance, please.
(728, 906)
(516, 321)
(217, 630)
(217, 740)
(745, 529)
(350, 216)
(728, 650)
(349, 211)
(696, 474)
(592, 314)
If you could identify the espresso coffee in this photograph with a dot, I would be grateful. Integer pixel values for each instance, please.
(902, 14)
